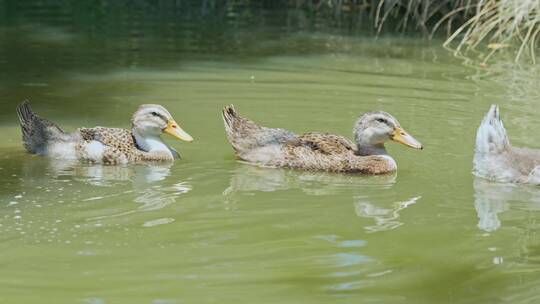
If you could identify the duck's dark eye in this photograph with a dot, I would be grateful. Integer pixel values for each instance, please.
(155, 113)
(381, 120)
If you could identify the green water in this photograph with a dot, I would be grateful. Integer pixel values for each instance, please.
(209, 229)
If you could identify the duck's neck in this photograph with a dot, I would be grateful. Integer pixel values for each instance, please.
(365, 150)
(150, 143)
(367, 144)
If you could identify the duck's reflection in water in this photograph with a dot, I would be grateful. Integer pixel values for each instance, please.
(248, 178)
(385, 218)
(148, 186)
(491, 199)
(106, 175)
(157, 197)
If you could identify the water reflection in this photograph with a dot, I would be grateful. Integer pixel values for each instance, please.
(104, 175)
(248, 178)
(152, 199)
(147, 185)
(385, 218)
(491, 199)
(158, 197)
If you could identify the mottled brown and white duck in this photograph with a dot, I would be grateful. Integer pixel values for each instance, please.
(496, 159)
(104, 145)
(319, 151)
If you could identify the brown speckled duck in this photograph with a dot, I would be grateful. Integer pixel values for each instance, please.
(104, 145)
(319, 151)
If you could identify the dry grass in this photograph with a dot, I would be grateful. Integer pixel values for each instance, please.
(475, 28)
(498, 25)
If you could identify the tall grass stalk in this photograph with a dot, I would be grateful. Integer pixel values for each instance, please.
(473, 27)
(500, 24)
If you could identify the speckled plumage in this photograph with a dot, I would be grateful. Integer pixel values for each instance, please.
(333, 153)
(120, 146)
(310, 151)
(496, 159)
(95, 145)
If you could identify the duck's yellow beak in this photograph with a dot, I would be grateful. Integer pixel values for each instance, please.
(401, 136)
(175, 131)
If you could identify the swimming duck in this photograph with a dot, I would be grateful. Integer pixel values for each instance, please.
(104, 145)
(496, 159)
(319, 151)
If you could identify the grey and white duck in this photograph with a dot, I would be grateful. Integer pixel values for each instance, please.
(142, 143)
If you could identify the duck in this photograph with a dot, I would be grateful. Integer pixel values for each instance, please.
(104, 145)
(497, 160)
(314, 151)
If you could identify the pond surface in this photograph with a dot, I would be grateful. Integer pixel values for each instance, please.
(209, 229)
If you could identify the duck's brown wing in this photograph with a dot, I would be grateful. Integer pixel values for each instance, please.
(327, 143)
(119, 144)
(333, 153)
(113, 137)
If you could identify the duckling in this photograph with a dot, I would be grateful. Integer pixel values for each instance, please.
(319, 151)
(103, 145)
(496, 159)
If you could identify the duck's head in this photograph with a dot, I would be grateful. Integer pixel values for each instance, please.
(373, 129)
(151, 120)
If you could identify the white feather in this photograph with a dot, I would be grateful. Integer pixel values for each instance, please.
(94, 150)
(62, 150)
(491, 135)
(491, 142)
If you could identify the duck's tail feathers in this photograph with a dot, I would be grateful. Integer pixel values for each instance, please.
(491, 137)
(245, 135)
(233, 127)
(37, 132)
(229, 117)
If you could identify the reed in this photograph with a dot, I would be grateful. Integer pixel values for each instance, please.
(499, 24)
(472, 27)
